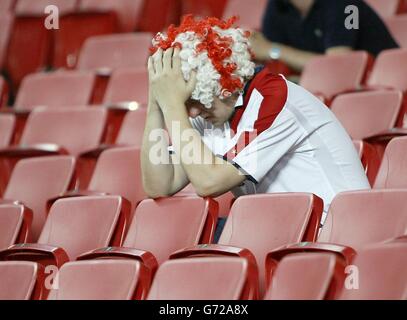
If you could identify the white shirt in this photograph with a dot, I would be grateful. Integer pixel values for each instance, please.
(296, 144)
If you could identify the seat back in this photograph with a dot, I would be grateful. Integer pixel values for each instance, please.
(6, 21)
(393, 170)
(36, 8)
(241, 8)
(34, 181)
(262, 223)
(200, 279)
(132, 129)
(75, 129)
(79, 225)
(127, 85)
(166, 225)
(15, 223)
(384, 8)
(20, 280)
(331, 75)
(97, 280)
(370, 159)
(388, 70)
(128, 11)
(361, 218)
(7, 123)
(118, 172)
(398, 28)
(58, 89)
(7, 5)
(367, 113)
(204, 8)
(381, 274)
(115, 51)
(153, 20)
(307, 276)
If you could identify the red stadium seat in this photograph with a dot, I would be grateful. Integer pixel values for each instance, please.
(7, 123)
(7, 5)
(117, 172)
(29, 32)
(132, 129)
(289, 218)
(15, 223)
(241, 8)
(6, 21)
(393, 170)
(204, 8)
(36, 180)
(100, 280)
(370, 159)
(364, 114)
(179, 222)
(355, 220)
(58, 89)
(127, 86)
(398, 28)
(156, 20)
(127, 11)
(21, 281)
(107, 53)
(201, 279)
(386, 8)
(349, 70)
(311, 276)
(381, 274)
(74, 226)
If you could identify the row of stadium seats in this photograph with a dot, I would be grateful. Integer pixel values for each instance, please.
(262, 239)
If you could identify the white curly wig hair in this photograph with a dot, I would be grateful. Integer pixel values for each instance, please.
(229, 61)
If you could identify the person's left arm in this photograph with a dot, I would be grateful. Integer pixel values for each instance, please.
(210, 175)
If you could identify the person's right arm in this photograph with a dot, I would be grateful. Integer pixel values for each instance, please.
(159, 179)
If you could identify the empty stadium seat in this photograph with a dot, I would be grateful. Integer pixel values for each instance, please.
(7, 123)
(20, 280)
(74, 226)
(201, 279)
(6, 21)
(29, 32)
(100, 280)
(117, 172)
(386, 8)
(127, 86)
(349, 70)
(364, 114)
(15, 223)
(398, 28)
(241, 8)
(107, 53)
(204, 8)
(381, 274)
(356, 220)
(58, 89)
(392, 173)
(311, 276)
(132, 129)
(262, 222)
(3, 92)
(36, 180)
(153, 20)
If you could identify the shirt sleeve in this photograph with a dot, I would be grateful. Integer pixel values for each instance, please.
(272, 27)
(336, 33)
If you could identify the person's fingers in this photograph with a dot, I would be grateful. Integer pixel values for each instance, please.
(167, 59)
(150, 67)
(191, 84)
(158, 61)
(176, 60)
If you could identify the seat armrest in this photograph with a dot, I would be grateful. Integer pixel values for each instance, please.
(45, 255)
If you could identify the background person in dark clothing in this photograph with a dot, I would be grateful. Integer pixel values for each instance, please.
(294, 31)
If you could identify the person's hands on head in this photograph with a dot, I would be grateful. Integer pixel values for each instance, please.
(167, 83)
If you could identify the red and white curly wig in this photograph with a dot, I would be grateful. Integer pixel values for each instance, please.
(218, 52)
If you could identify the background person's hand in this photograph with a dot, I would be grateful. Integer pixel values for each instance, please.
(260, 46)
(167, 83)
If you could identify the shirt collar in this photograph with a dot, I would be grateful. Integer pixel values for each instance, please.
(239, 102)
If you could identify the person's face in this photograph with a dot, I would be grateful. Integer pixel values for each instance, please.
(220, 113)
